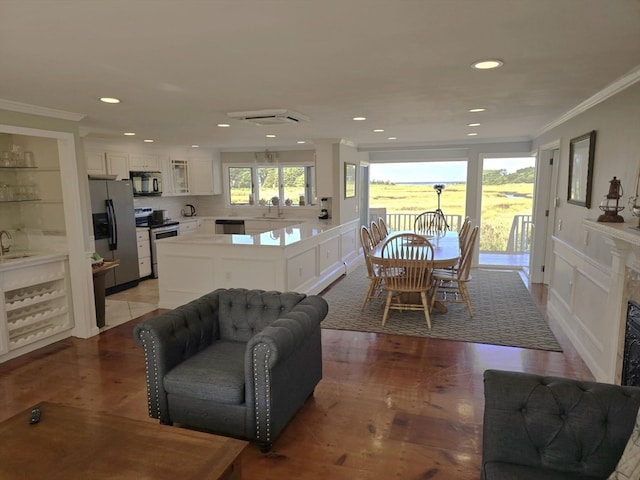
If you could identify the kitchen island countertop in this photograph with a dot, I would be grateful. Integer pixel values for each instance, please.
(279, 237)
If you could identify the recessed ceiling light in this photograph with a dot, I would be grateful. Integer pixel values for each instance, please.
(359, 119)
(148, 140)
(270, 135)
(129, 134)
(301, 141)
(472, 134)
(474, 110)
(223, 125)
(392, 138)
(378, 130)
(195, 146)
(473, 124)
(487, 64)
(109, 100)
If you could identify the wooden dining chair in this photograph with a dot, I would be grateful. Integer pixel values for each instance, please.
(430, 222)
(375, 280)
(405, 266)
(375, 232)
(451, 285)
(463, 234)
(384, 230)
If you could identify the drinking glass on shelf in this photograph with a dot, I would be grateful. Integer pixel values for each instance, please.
(17, 152)
(6, 159)
(29, 159)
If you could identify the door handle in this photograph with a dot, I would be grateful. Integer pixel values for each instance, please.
(113, 225)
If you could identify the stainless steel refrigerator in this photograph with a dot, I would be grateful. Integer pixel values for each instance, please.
(114, 229)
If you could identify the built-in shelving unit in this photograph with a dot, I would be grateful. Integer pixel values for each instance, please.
(35, 302)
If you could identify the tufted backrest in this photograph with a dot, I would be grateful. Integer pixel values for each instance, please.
(242, 313)
(556, 423)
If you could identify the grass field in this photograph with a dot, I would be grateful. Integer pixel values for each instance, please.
(500, 204)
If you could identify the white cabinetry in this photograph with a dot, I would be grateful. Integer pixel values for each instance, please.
(143, 162)
(179, 177)
(96, 164)
(118, 164)
(144, 252)
(187, 227)
(36, 306)
(201, 177)
(121, 163)
(191, 177)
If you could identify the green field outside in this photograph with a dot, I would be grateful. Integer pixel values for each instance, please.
(499, 206)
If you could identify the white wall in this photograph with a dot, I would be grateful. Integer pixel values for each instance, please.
(584, 290)
(617, 153)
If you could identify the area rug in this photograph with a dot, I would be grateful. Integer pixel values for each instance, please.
(504, 313)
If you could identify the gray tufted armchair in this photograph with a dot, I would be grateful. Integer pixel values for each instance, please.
(236, 362)
(554, 428)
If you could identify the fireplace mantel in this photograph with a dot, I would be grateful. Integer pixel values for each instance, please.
(621, 286)
(619, 232)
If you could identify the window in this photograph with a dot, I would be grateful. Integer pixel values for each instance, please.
(240, 186)
(292, 184)
(268, 184)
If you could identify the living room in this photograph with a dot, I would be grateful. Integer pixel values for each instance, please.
(382, 396)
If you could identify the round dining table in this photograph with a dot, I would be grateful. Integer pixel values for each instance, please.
(446, 252)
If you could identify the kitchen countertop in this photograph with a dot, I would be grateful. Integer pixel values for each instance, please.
(24, 258)
(279, 237)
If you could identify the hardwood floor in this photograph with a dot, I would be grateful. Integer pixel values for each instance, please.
(387, 407)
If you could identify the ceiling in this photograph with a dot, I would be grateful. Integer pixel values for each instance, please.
(179, 66)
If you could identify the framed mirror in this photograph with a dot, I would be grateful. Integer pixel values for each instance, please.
(349, 180)
(581, 155)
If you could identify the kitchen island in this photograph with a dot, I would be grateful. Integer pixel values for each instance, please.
(304, 257)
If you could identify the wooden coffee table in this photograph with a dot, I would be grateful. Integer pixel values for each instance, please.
(71, 443)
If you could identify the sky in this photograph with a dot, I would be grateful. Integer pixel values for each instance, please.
(453, 171)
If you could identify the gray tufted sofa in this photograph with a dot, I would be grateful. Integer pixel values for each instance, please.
(554, 428)
(236, 362)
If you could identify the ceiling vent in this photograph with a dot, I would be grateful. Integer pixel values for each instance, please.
(270, 117)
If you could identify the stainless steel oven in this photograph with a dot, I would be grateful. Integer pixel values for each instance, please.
(156, 233)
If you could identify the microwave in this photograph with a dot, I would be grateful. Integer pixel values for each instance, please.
(146, 183)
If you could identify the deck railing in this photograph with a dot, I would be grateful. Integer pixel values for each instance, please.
(520, 233)
(404, 221)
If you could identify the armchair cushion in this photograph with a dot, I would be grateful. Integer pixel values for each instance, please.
(196, 378)
(244, 313)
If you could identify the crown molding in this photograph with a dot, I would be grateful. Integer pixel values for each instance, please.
(612, 89)
(42, 111)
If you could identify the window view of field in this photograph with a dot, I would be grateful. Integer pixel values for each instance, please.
(507, 198)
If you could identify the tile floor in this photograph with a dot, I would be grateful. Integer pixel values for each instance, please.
(129, 304)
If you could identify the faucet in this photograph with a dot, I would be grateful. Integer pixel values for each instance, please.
(4, 249)
(275, 204)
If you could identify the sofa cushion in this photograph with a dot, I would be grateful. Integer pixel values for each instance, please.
(510, 471)
(556, 423)
(629, 464)
(242, 313)
(196, 378)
